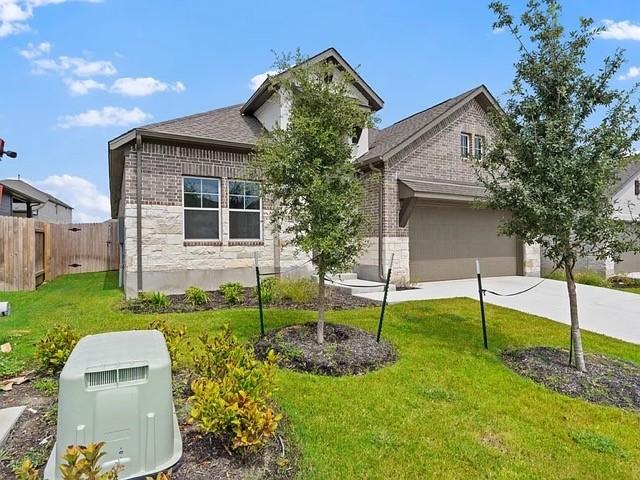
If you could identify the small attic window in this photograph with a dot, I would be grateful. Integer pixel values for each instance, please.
(328, 78)
(465, 140)
(357, 133)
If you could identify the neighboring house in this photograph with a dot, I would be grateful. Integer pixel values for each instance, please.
(19, 199)
(626, 196)
(191, 215)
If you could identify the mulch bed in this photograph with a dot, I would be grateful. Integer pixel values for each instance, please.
(346, 350)
(203, 458)
(34, 434)
(336, 299)
(608, 381)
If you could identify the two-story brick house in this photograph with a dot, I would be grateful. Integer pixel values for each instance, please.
(191, 215)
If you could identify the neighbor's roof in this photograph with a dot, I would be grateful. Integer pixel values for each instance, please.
(630, 172)
(29, 192)
(385, 142)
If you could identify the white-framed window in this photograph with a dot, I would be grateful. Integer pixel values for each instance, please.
(478, 146)
(465, 140)
(201, 205)
(245, 210)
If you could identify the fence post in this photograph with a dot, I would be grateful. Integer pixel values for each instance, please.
(481, 294)
(258, 288)
(384, 299)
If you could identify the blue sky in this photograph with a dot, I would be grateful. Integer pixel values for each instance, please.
(77, 73)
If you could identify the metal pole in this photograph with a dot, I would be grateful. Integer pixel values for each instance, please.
(481, 294)
(384, 299)
(259, 296)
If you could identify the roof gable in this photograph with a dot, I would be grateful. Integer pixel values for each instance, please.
(266, 89)
(390, 140)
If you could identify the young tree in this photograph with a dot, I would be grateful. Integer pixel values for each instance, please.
(560, 144)
(307, 167)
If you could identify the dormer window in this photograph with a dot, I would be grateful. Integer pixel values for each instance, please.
(478, 146)
(465, 140)
(357, 133)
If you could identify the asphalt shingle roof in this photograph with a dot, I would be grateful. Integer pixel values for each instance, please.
(630, 171)
(31, 192)
(382, 141)
(225, 124)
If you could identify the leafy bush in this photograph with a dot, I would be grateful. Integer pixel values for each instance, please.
(196, 296)
(298, 290)
(233, 394)
(268, 289)
(53, 350)
(155, 299)
(556, 275)
(82, 462)
(175, 339)
(232, 292)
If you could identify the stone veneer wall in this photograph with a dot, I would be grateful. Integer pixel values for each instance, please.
(170, 263)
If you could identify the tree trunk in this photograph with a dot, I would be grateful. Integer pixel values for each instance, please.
(321, 291)
(578, 353)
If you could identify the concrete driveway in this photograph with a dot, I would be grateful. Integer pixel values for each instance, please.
(602, 310)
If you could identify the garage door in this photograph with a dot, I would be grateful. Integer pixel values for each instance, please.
(444, 242)
(630, 263)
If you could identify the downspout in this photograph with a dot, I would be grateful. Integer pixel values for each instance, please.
(381, 275)
(139, 210)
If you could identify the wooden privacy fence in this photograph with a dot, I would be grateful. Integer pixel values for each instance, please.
(32, 251)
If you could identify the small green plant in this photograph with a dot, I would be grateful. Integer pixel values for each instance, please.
(83, 462)
(556, 275)
(268, 289)
(48, 386)
(53, 350)
(622, 281)
(196, 296)
(232, 292)
(232, 396)
(155, 299)
(175, 338)
(589, 277)
(25, 470)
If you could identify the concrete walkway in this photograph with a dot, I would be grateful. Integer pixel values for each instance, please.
(602, 310)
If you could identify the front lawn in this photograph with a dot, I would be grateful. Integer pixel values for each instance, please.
(446, 409)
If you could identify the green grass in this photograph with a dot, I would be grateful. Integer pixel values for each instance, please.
(447, 409)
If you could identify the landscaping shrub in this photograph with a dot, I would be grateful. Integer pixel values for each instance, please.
(175, 339)
(267, 290)
(196, 296)
(155, 299)
(232, 396)
(556, 275)
(26, 471)
(298, 290)
(232, 292)
(53, 350)
(589, 277)
(82, 462)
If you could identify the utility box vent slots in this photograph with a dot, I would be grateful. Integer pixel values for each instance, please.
(116, 388)
(115, 377)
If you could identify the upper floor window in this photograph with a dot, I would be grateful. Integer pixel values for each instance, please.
(201, 204)
(465, 140)
(245, 209)
(478, 146)
(357, 134)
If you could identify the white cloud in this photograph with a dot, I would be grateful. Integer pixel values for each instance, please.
(143, 86)
(83, 87)
(259, 79)
(32, 51)
(623, 30)
(77, 66)
(106, 117)
(14, 14)
(633, 72)
(90, 204)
